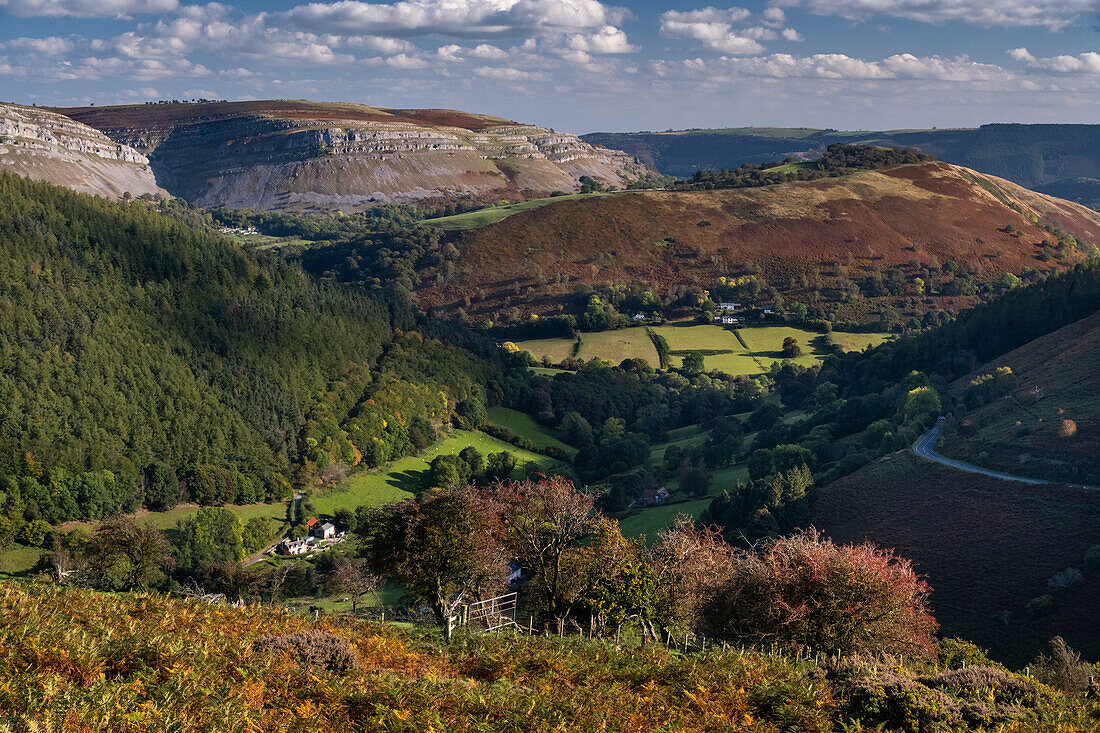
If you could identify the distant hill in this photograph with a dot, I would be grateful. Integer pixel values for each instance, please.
(301, 155)
(812, 241)
(48, 147)
(1063, 160)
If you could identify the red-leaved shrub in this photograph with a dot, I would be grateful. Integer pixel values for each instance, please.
(805, 592)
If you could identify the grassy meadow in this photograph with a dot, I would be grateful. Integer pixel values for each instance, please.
(493, 214)
(402, 478)
(397, 481)
(764, 344)
(524, 425)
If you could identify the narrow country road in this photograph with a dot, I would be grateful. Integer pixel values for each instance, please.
(926, 448)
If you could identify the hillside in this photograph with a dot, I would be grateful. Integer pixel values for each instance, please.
(77, 660)
(310, 155)
(1045, 420)
(819, 242)
(137, 350)
(985, 546)
(1058, 159)
(45, 146)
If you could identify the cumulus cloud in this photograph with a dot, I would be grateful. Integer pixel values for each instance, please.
(451, 18)
(1083, 63)
(450, 52)
(381, 44)
(488, 51)
(51, 46)
(1052, 14)
(714, 28)
(607, 40)
(504, 73)
(774, 16)
(840, 66)
(86, 8)
(790, 34)
(240, 73)
(406, 61)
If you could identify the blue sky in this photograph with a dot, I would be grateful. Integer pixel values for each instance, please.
(577, 65)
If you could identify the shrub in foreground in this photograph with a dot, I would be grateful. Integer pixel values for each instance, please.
(805, 592)
(319, 649)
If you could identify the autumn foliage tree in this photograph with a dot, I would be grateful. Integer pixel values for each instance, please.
(542, 522)
(441, 546)
(805, 592)
(691, 563)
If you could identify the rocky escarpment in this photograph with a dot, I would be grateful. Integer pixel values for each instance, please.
(48, 147)
(298, 155)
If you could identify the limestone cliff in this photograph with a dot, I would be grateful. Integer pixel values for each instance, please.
(46, 146)
(300, 155)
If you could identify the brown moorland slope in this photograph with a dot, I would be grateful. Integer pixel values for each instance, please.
(804, 237)
(296, 154)
(985, 546)
(1048, 423)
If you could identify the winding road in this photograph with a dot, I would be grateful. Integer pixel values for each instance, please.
(926, 448)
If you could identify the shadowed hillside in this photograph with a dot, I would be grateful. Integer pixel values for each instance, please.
(986, 547)
(1044, 420)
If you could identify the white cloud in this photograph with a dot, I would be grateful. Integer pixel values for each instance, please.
(714, 28)
(774, 16)
(51, 46)
(607, 40)
(86, 8)
(406, 61)
(1083, 63)
(381, 44)
(450, 52)
(504, 73)
(488, 51)
(790, 34)
(707, 15)
(840, 66)
(450, 18)
(239, 73)
(1053, 14)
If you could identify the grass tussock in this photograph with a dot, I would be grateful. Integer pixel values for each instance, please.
(75, 660)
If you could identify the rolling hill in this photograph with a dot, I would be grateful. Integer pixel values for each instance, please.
(1058, 159)
(45, 146)
(811, 240)
(1046, 423)
(129, 339)
(310, 155)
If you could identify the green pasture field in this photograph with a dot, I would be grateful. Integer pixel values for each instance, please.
(765, 345)
(650, 521)
(525, 425)
(403, 478)
(556, 349)
(493, 214)
(615, 346)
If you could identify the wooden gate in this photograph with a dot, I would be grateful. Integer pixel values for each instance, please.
(491, 614)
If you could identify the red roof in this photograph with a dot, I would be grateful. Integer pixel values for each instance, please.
(310, 522)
